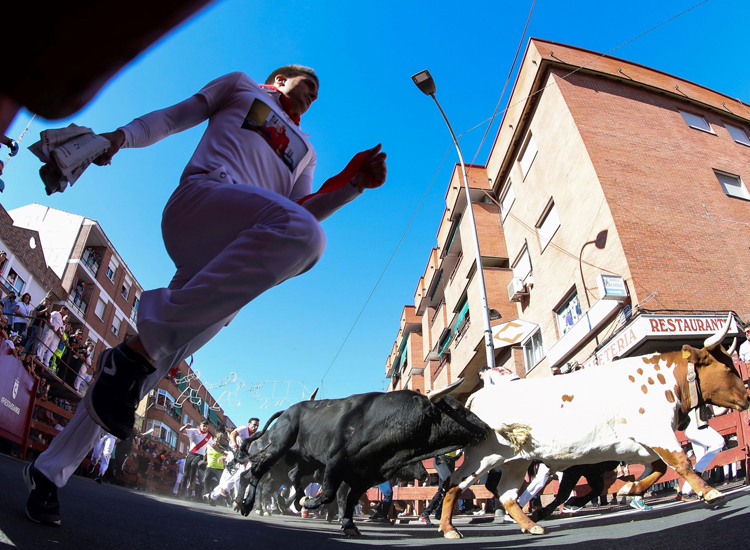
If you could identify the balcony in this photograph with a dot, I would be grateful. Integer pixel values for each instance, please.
(91, 260)
(78, 303)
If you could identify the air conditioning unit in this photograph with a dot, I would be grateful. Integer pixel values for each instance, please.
(516, 290)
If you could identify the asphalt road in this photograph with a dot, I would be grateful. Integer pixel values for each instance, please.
(112, 518)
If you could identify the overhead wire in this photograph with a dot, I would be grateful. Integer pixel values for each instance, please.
(490, 120)
(388, 263)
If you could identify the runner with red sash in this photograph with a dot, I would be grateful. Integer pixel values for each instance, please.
(199, 439)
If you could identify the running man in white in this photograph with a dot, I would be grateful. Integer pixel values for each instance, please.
(230, 477)
(707, 443)
(102, 453)
(200, 439)
(242, 220)
(180, 473)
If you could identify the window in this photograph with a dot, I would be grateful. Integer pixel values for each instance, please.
(732, 185)
(124, 291)
(163, 433)
(738, 134)
(528, 153)
(164, 401)
(182, 447)
(100, 307)
(533, 350)
(507, 200)
(116, 322)
(112, 270)
(697, 122)
(548, 226)
(16, 282)
(522, 266)
(185, 420)
(568, 313)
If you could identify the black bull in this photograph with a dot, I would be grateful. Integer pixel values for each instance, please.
(362, 440)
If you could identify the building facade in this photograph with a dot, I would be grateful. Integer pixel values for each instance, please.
(103, 296)
(611, 214)
(102, 293)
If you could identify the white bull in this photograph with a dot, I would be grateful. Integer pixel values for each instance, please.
(627, 410)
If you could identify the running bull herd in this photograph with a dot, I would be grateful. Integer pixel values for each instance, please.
(355, 443)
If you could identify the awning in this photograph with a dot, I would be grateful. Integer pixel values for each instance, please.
(511, 333)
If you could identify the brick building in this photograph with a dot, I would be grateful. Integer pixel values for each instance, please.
(25, 267)
(590, 144)
(103, 295)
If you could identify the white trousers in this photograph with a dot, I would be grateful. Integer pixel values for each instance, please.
(180, 475)
(228, 481)
(230, 243)
(50, 341)
(707, 443)
(103, 452)
(537, 484)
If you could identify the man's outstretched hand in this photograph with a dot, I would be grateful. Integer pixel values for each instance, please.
(373, 171)
(116, 138)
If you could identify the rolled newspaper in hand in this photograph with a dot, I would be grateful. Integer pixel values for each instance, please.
(67, 152)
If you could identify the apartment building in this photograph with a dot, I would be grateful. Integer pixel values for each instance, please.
(178, 400)
(103, 296)
(612, 216)
(24, 267)
(102, 293)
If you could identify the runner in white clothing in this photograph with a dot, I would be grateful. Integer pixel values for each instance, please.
(200, 439)
(242, 220)
(180, 473)
(230, 477)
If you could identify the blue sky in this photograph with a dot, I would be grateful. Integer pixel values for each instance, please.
(364, 54)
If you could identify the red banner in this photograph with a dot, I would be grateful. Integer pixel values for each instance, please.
(17, 390)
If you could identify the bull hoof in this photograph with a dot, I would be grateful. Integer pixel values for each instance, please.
(352, 532)
(713, 496)
(625, 489)
(235, 507)
(453, 535)
(538, 530)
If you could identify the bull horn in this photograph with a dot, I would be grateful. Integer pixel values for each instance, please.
(312, 396)
(435, 395)
(730, 351)
(713, 341)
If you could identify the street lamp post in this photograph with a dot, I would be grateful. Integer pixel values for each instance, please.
(426, 84)
(600, 242)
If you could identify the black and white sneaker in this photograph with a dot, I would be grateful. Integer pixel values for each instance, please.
(42, 505)
(113, 397)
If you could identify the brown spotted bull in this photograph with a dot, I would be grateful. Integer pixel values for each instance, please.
(627, 410)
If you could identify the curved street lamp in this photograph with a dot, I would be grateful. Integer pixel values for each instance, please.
(426, 84)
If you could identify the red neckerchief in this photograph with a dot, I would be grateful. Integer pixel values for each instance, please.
(339, 180)
(285, 103)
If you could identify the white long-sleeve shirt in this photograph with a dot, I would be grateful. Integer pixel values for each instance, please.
(248, 134)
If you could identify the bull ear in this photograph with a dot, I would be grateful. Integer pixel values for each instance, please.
(691, 354)
(713, 341)
(435, 395)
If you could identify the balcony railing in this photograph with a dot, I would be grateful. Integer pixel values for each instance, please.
(91, 260)
(77, 301)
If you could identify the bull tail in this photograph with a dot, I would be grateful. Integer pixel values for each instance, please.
(517, 434)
